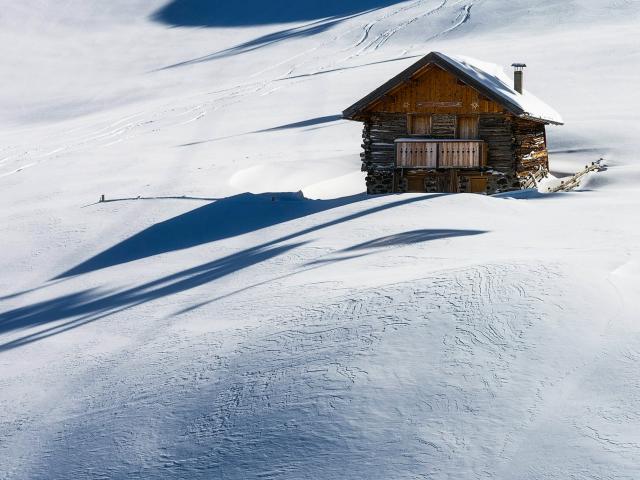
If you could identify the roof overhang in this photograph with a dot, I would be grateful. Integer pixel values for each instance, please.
(356, 111)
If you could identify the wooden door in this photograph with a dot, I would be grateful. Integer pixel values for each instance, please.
(453, 181)
(443, 182)
(448, 182)
(415, 184)
(478, 184)
(468, 128)
(419, 124)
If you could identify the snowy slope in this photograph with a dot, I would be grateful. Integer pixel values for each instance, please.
(196, 326)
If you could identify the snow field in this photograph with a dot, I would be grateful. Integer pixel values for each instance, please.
(201, 331)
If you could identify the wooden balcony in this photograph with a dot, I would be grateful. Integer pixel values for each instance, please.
(431, 153)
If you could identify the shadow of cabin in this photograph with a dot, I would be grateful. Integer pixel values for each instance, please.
(450, 124)
(248, 213)
(218, 220)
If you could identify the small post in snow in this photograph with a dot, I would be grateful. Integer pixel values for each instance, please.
(101, 198)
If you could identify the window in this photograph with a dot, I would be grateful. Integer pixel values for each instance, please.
(468, 128)
(419, 124)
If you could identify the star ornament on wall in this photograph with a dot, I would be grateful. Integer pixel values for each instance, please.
(475, 105)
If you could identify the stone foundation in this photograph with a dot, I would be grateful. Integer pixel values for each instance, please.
(432, 181)
(431, 184)
(495, 183)
(379, 182)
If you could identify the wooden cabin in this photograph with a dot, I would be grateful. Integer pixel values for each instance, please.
(452, 124)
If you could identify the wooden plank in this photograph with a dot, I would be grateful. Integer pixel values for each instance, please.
(438, 104)
(468, 127)
(460, 154)
(416, 154)
(435, 91)
(453, 181)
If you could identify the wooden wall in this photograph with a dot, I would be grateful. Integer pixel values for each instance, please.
(443, 125)
(434, 90)
(530, 145)
(497, 131)
(378, 137)
(515, 146)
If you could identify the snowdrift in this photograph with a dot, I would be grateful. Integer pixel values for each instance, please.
(198, 325)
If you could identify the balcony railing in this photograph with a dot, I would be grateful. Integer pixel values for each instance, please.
(430, 153)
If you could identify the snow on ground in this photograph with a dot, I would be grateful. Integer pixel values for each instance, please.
(198, 324)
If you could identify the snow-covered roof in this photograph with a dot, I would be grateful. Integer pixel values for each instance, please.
(487, 78)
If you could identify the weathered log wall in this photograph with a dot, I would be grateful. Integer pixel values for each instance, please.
(530, 146)
(515, 148)
(443, 125)
(497, 131)
(379, 134)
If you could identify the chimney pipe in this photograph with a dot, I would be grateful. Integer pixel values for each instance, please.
(518, 74)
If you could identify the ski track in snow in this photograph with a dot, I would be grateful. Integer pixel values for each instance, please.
(367, 28)
(314, 365)
(463, 17)
(171, 115)
(385, 36)
(501, 371)
(298, 394)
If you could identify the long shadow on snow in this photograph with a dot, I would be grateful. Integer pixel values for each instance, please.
(397, 240)
(370, 247)
(89, 305)
(218, 220)
(322, 14)
(311, 122)
(218, 13)
(307, 30)
(74, 310)
(412, 237)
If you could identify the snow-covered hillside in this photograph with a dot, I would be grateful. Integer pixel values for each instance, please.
(197, 325)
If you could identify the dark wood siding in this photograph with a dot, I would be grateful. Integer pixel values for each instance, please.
(379, 134)
(435, 105)
(443, 125)
(531, 149)
(497, 131)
